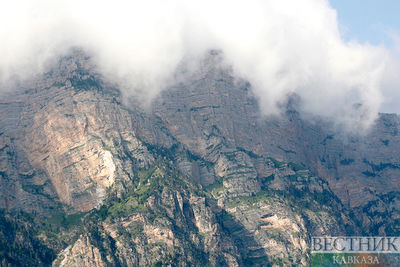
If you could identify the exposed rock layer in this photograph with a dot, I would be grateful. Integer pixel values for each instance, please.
(202, 178)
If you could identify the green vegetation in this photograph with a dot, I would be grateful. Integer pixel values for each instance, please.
(216, 188)
(107, 147)
(248, 152)
(277, 163)
(18, 236)
(369, 174)
(4, 175)
(385, 142)
(296, 167)
(94, 137)
(60, 219)
(381, 166)
(346, 161)
(36, 189)
(264, 181)
(251, 200)
(292, 177)
(286, 150)
(37, 238)
(85, 85)
(125, 208)
(152, 181)
(76, 147)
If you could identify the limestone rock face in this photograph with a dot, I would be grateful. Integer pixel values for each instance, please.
(217, 116)
(82, 253)
(199, 178)
(70, 138)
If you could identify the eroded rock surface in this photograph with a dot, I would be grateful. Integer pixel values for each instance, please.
(201, 178)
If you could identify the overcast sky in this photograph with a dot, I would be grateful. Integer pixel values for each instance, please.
(333, 59)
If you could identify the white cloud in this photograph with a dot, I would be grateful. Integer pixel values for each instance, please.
(391, 78)
(281, 47)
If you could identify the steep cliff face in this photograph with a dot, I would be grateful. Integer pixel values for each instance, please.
(217, 113)
(201, 178)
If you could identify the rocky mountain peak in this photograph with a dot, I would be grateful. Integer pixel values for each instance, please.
(202, 177)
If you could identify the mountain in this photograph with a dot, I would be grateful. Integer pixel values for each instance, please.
(89, 177)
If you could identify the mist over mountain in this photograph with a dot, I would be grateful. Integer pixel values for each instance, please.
(281, 48)
(187, 133)
(89, 177)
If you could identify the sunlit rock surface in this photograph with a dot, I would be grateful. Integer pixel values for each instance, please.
(199, 178)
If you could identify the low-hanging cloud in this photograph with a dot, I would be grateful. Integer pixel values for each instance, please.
(280, 47)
